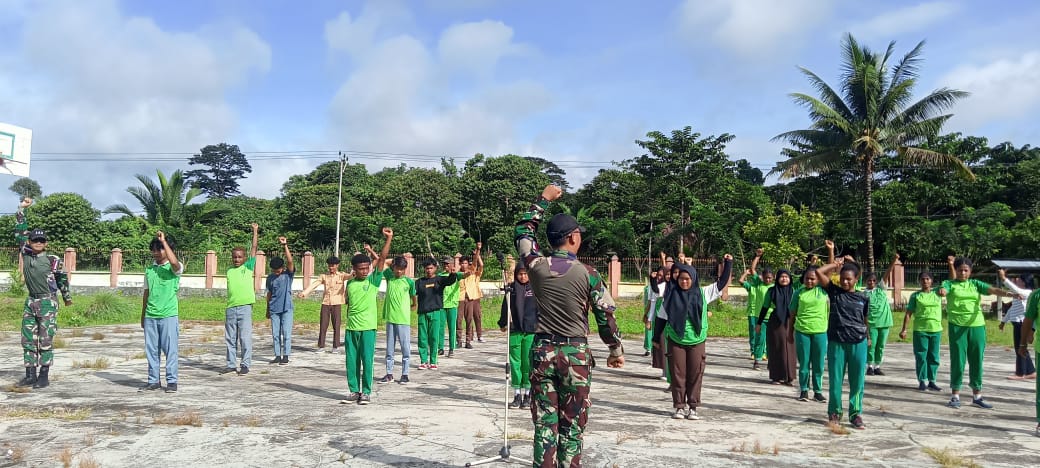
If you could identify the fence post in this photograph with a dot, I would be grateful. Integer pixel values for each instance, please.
(410, 272)
(308, 269)
(509, 271)
(70, 262)
(614, 271)
(115, 266)
(259, 269)
(897, 279)
(210, 267)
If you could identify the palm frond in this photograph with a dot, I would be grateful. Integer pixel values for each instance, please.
(823, 116)
(811, 162)
(119, 209)
(919, 157)
(827, 94)
(937, 101)
(908, 66)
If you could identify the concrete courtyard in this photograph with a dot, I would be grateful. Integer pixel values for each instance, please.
(291, 416)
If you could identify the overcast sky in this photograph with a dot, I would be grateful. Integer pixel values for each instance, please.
(573, 82)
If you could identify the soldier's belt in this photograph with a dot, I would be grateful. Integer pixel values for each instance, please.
(41, 296)
(557, 339)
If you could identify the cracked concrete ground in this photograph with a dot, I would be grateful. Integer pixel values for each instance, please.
(291, 416)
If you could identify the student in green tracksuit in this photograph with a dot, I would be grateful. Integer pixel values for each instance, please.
(520, 315)
(451, 306)
(925, 306)
(362, 318)
(809, 308)
(879, 321)
(967, 328)
(1026, 335)
(756, 287)
(846, 339)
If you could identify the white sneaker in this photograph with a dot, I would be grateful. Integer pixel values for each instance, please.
(679, 413)
(692, 415)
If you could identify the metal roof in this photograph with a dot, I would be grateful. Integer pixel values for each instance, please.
(1030, 265)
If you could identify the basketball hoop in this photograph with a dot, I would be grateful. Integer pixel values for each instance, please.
(15, 147)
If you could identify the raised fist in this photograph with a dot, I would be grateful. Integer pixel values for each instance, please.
(829, 243)
(26, 202)
(282, 240)
(727, 257)
(759, 251)
(950, 259)
(387, 232)
(161, 236)
(254, 226)
(552, 192)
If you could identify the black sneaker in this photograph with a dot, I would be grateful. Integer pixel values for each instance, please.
(244, 370)
(468, 345)
(150, 387)
(834, 419)
(818, 397)
(403, 379)
(877, 371)
(227, 370)
(526, 402)
(451, 353)
(857, 422)
(386, 378)
(870, 371)
(440, 352)
(171, 388)
(276, 360)
(480, 339)
(979, 402)
(646, 353)
(351, 398)
(804, 396)
(756, 366)
(921, 386)
(933, 387)
(364, 399)
(285, 360)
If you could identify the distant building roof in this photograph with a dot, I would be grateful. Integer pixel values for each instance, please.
(1030, 265)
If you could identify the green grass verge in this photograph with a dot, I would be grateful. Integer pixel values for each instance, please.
(729, 321)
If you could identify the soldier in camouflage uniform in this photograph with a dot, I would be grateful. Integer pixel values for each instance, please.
(561, 361)
(44, 278)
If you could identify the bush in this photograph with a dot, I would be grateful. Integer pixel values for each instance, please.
(17, 288)
(106, 305)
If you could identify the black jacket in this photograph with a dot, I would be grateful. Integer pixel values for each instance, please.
(431, 291)
(521, 296)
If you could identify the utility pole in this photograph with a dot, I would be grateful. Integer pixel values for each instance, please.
(339, 200)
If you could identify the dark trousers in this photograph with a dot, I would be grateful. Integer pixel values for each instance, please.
(657, 359)
(470, 309)
(687, 366)
(334, 314)
(782, 355)
(1023, 365)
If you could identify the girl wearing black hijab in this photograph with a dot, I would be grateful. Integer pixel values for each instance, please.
(687, 306)
(779, 348)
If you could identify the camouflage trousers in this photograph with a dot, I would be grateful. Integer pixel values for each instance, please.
(39, 324)
(560, 383)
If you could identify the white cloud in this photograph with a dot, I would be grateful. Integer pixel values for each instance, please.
(88, 78)
(476, 47)
(402, 96)
(751, 28)
(912, 18)
(1001, 90)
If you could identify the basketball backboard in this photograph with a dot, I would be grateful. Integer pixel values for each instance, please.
(15, 144)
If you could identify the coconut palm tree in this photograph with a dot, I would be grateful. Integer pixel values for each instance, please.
(873, 117)
(167, 203)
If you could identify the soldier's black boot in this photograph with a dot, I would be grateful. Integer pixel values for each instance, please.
(42, 381)
(30, 378)
(516, 401)
(526, 402)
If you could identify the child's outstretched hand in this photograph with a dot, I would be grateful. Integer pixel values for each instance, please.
(26, 202)
(388, 233)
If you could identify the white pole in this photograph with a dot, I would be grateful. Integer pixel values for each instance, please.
(339, 200)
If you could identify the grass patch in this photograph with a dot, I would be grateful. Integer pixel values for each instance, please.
(837, 428)
(16, 389)
(87, 461)
(97, 336)
(254, 421)
(77, 332)
(188, 418)
(60, 412)
(59, 343)
(948, 459)
(65, 457)
(100, 363)
(756, 448)
(520, 436)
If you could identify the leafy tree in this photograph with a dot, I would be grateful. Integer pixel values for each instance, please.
(496, 192)
(556, 174)
(749, 173)
(69, 219)
(168, 203)
(226, 165)
(26, 187)
(232, 228)
(785, 236)
(872, 119)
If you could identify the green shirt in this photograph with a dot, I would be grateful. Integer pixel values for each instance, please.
(927, 310)
(880, 310)
(451, 293)
(690, 337)
(362, 311)
(240, 290)
(963, 300)
(1032, 309)
(812, 307)
(756, 296)
(397, 304)
(162, 283)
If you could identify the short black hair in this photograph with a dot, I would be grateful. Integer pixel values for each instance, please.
(399, 262)
(359, 259)
(430, 261)
(923, 275)
(767, 271)
(466, 259)
(809, 271)
(871, 276)
(333, 260)
(277, 262)
(850, 266)
(156, 244)
(961, 261)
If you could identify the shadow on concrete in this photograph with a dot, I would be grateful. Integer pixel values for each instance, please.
(309, 391)
(123, 380)
(377, 455)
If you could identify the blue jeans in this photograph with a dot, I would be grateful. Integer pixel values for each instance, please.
(398, 333)
(281, 331)
(238, 332)
(160, 335)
